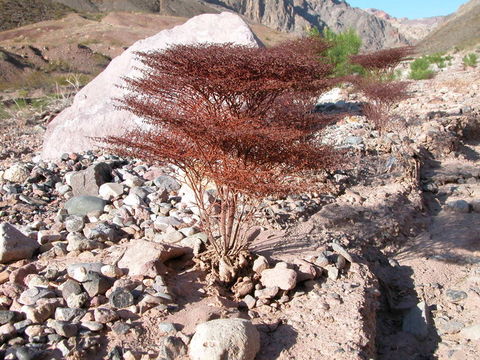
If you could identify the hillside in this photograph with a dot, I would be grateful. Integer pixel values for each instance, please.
(14, 13)
(279, 15)
(413, 29)
(461, 30)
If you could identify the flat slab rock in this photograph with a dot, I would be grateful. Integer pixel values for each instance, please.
(93, 114)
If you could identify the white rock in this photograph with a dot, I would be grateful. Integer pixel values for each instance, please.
(232, 339)
(110, 190)
(14, 245)
(93, 112)
(17, 173)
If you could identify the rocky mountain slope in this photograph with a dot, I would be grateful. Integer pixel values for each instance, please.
(413, 29)
(461, 30)
(283, 15)
(14, 13)
(298, 16)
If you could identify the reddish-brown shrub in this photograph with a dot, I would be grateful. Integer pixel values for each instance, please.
(237, 117)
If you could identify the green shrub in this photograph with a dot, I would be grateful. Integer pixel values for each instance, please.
(3, 112)
(470, 60)
(420, 69)
(344, 45)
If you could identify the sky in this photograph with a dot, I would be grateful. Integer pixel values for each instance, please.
(412, 9)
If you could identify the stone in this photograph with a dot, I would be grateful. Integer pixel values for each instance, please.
(78, 242)
(171, 237)
(110, 191)
(7, 316)
(39, 313)
(100, 232)
(79, 271)
(233, 339)
(82, 205)
(121, 298)
(260, 264)
(96, 284)
(339, 249)
(19, 275)
(140, 255)
(133, 200)
(172, 348)
(88, 181)
(451, 327)
(14, 245)
(111, 271)
(458, 206)
(17, 173)
(63, 328)
(455, 295)
(46, 236)
(69, 314)
(105, 315)
(31, 296)
(267, 293)
(167, 182)
(121, 327)
(242, 288)
(249, 301)
(285, 279)
(70, 287)
(92, 325)
(167, 329)
(416, 321)
(93, 113)
(77, 300)
(74, 223)
(471, 333)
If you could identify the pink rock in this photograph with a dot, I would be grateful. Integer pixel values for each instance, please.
(93, 112)
(285, 279)
(146, 258)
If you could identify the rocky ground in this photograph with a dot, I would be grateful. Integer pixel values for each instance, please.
(382, 265)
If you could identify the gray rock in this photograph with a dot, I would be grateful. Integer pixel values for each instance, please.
(416, 321)
(267, 293)
(63, 328)
(88, 182)
(455, 295)
(458, 206)
(121, 327)
(69, 314)
(260, 264)
(167, 182)
(105, 315)
(14, 245)
(167, 328)
(77, 300)
(233, 339)
(31, 296)
(79, 271)
(78, 242)
(82, 205)
(100, 232)
(70, 287)
(92, 325)
(7, 316)
(172, 348)
(451, 327)
(74, 223)
(121, 298)
(96, 284)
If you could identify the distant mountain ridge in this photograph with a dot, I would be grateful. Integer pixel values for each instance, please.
(461, 29)
(413, 29)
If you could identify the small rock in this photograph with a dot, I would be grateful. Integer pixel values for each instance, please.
(121, 328)
(74, 223)
(105, 315)
(233, 339)
(110, 190)
(267, 293)
(88, 181)
(82, 205)
(69, 314)
(63, 328)
(7, 316)
(167, 182)
(172, 348)
(17, 173)
(260, 264)
(31, 296)
(285, 279)
(121, 298)
(96, 284)
(250, 301)
(167, 329)
(458, 206)
(455, 295)
(339, 249)
(471, 333)
(92, 325)
(14, 245)
(111, 271)
(416, 321)
(77, 300)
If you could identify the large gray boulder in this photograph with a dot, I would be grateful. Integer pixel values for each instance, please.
(93, 113)
(232, 339)
(14, 245)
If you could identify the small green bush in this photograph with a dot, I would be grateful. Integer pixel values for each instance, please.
(420, 69)
(470, 60)
(344, 45)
